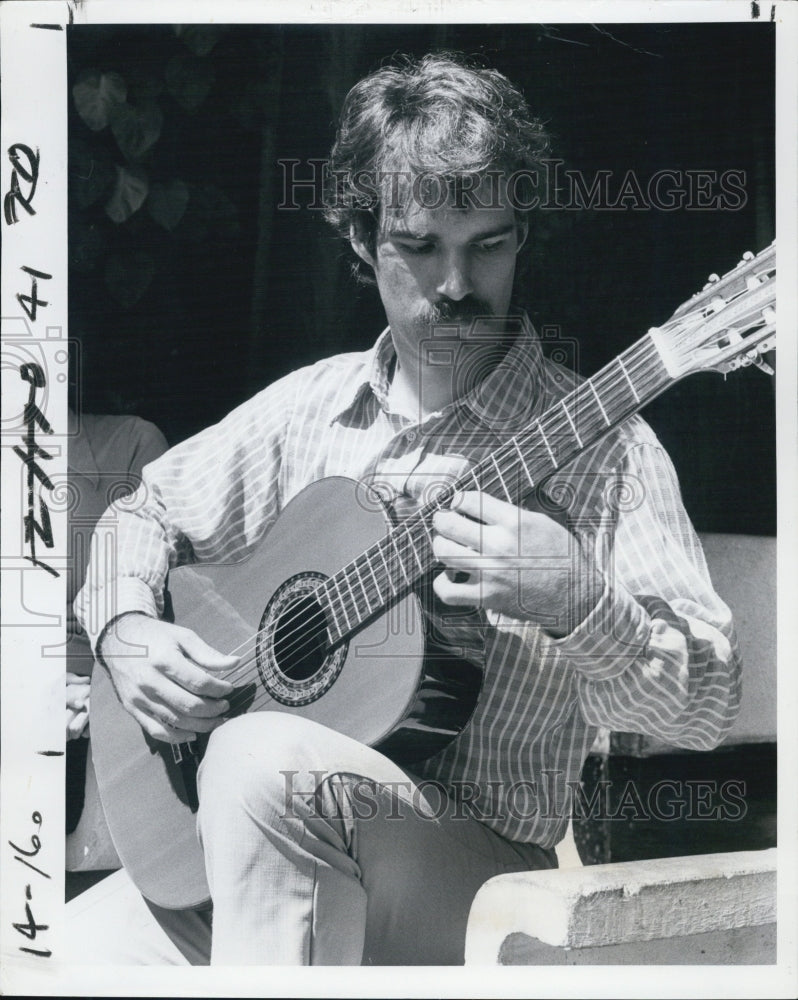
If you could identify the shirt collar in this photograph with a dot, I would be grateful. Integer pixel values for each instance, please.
(374, 379)
(510, 392)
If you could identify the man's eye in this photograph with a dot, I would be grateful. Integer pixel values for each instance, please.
(416, 248)
(489, 247)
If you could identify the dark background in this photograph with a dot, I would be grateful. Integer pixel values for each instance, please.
(206, 292)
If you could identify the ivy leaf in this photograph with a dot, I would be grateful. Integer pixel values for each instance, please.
(91, 173)
(96, 95)
(189, 80)
(128, 275)
(167, 203)
(128, 195)
(199, 38)
(136, 129)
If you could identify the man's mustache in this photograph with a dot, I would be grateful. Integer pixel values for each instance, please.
(450, 311)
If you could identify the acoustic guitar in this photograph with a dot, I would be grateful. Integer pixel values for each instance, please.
(335, 630)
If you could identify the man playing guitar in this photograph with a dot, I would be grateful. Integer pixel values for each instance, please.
(584, 602)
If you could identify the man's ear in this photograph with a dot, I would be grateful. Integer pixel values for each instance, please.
(360, 247)
(523, 231)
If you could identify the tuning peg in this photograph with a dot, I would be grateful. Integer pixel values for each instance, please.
(716, 304)
(748, 255)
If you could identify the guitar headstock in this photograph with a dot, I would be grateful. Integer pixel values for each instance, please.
(729, 324)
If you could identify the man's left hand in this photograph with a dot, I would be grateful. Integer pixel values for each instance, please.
(520, 563)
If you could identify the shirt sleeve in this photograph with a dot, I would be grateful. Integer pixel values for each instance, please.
(209, 499)
(658, 654)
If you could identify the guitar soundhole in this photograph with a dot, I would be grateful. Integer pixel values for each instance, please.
(294, 661)
(299, 641)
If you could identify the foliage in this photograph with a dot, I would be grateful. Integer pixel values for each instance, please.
(139, 196)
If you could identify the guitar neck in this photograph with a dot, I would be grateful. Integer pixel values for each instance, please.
(392, 567)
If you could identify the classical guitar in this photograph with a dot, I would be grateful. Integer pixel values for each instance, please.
(334, 629)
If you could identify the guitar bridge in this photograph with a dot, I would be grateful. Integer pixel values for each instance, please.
(179, 748)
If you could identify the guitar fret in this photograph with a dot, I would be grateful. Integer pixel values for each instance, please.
(501, 478)
(631, 383)
(548, 446)
(374, 578)
(342, 605)
(401, 563)
(570, 421)
(354, 600)
(331, 605)
(387, 569)
(476, 481)
(523, 462)
(365, 595)
(355, 609)
(607, 420)
(409, 534)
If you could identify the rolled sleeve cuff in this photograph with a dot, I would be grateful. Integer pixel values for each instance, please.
(122, 596)
(610, 639)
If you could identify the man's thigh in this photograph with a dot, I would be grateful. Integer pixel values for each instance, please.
(422, 858)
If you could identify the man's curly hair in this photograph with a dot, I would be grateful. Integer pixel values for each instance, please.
(443, 116)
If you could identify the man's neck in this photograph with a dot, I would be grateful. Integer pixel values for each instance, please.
(418, 390)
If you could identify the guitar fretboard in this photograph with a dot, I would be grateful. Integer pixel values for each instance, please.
(389, 569)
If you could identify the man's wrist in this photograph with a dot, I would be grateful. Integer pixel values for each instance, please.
(109, 628)
(584, 594)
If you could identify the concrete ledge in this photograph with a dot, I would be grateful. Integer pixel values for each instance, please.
(532, 917)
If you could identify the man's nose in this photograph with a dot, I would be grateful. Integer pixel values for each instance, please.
(456, 281)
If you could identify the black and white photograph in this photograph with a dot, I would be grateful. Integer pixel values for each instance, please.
(398, 482)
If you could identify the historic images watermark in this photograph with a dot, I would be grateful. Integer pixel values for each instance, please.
(323, 795)
(553, 187)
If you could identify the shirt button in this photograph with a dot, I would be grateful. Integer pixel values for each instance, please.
(410, 436)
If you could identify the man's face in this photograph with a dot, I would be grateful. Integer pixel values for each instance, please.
(447, 264)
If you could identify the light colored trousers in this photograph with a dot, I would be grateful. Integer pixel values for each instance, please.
(321, 851)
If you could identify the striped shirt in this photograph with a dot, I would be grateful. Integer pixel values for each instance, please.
(657, 655)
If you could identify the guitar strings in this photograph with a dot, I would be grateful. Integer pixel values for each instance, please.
(636, 360)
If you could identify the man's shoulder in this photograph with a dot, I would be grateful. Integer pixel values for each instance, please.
(328, 380)
(351, 362)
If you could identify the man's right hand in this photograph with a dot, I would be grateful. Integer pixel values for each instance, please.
(169, 686)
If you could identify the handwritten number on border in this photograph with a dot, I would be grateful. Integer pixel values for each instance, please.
(29, 174)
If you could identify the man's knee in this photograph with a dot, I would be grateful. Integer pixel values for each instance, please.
(262, 760)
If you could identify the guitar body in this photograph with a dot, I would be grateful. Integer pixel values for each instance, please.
(386, 686)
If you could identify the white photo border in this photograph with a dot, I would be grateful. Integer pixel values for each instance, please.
(31, 781)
